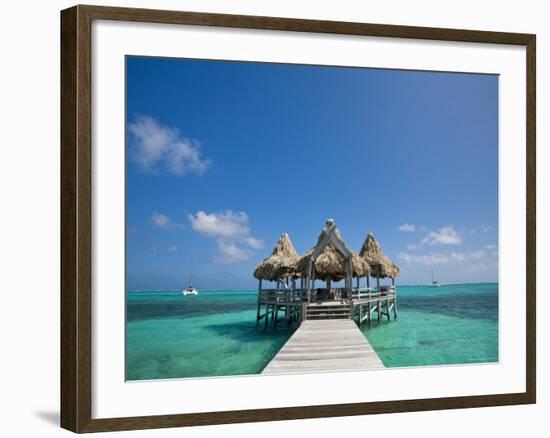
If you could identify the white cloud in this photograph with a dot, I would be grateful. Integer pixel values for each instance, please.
(482, 267)
(474, 261)
(157, 147)
(426, 259)
(172, 248)
(466, 256)
(409, 228)
(226, 224)
(458, 256)
(161, 220)
(230, 252)
(443, 236)
(440, 258)
(254, 243)
(477, 254)
(232, 231)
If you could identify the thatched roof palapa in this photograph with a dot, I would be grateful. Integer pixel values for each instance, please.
(381, 265)
(331, 263)
(281, 263)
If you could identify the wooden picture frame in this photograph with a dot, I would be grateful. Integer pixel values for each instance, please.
(76, 217)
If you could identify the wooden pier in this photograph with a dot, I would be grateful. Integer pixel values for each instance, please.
(325, 345)
(328, 337)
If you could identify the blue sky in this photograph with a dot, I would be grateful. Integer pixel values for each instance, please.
(223, 157)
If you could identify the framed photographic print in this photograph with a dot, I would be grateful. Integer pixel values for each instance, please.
(303, 218)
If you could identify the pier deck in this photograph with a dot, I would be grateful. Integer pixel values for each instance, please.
(325, 345)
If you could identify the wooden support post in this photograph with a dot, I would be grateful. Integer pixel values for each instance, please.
(349, 292)
(369, 316)
(266, 315)
(259, 304)
(310, 283)
(394, 298)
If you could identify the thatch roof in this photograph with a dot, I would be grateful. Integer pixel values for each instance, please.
(381, 265)
(280, 263)
(331, 262)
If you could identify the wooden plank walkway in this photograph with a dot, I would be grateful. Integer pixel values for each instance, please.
(325, 345)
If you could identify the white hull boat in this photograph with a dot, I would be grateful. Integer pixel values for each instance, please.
(190, 291)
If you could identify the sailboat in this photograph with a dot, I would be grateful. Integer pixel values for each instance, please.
(435, 283)
(190, 290)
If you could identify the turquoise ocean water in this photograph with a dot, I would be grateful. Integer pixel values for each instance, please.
(169, 335)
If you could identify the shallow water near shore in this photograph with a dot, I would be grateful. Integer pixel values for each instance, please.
(169, 335)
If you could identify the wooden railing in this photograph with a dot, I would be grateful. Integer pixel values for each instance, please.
(301, 295)
(283, 295)
(373, 293)
(334, 293)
